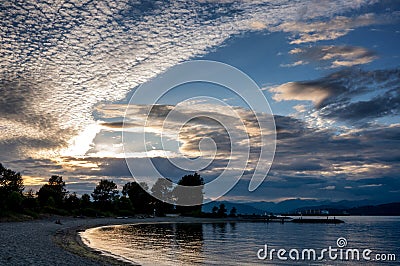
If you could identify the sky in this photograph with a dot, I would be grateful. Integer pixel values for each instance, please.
(328, 69)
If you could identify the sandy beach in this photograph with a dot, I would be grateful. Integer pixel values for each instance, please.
(44, 242)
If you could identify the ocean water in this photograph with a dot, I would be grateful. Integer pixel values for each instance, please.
(238, 243)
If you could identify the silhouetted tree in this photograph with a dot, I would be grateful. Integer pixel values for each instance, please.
(55, 188)
(11, 184)
(104, 194)
(85, 201)
(222, 210)
(72, 202)
(14, 201)
(189, 196)
(10, 180)
(162, 191)
(214, 210)
(124, 206)
(233, 211)
(30, 201)
(50, 202)
(139, 196)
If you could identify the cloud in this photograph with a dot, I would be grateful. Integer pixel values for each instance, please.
(371, 185)
(329, 188)
(302, 91)
(257, 25)
(300, 108)
(336, 56)
(118, 125)
(349, 95)
(189, 125)
(297, 63)
(60, 60)
(307, 161)
(302, 151)
(309, 32)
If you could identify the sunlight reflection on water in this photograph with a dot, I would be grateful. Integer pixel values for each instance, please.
(237, 243)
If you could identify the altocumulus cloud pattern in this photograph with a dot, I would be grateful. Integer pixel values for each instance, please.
(61, 58)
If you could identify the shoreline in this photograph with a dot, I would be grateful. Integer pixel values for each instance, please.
(70, 240)
(46, 242)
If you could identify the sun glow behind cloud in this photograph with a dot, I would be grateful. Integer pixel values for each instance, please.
(80, 144)
(205, 122)
(82, 53)
(63, 65)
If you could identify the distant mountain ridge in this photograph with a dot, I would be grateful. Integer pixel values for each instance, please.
(241, 208)
(295, 205)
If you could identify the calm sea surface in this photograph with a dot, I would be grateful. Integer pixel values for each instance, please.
(238, 243)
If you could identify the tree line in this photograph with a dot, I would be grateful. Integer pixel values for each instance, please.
(105, 200)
